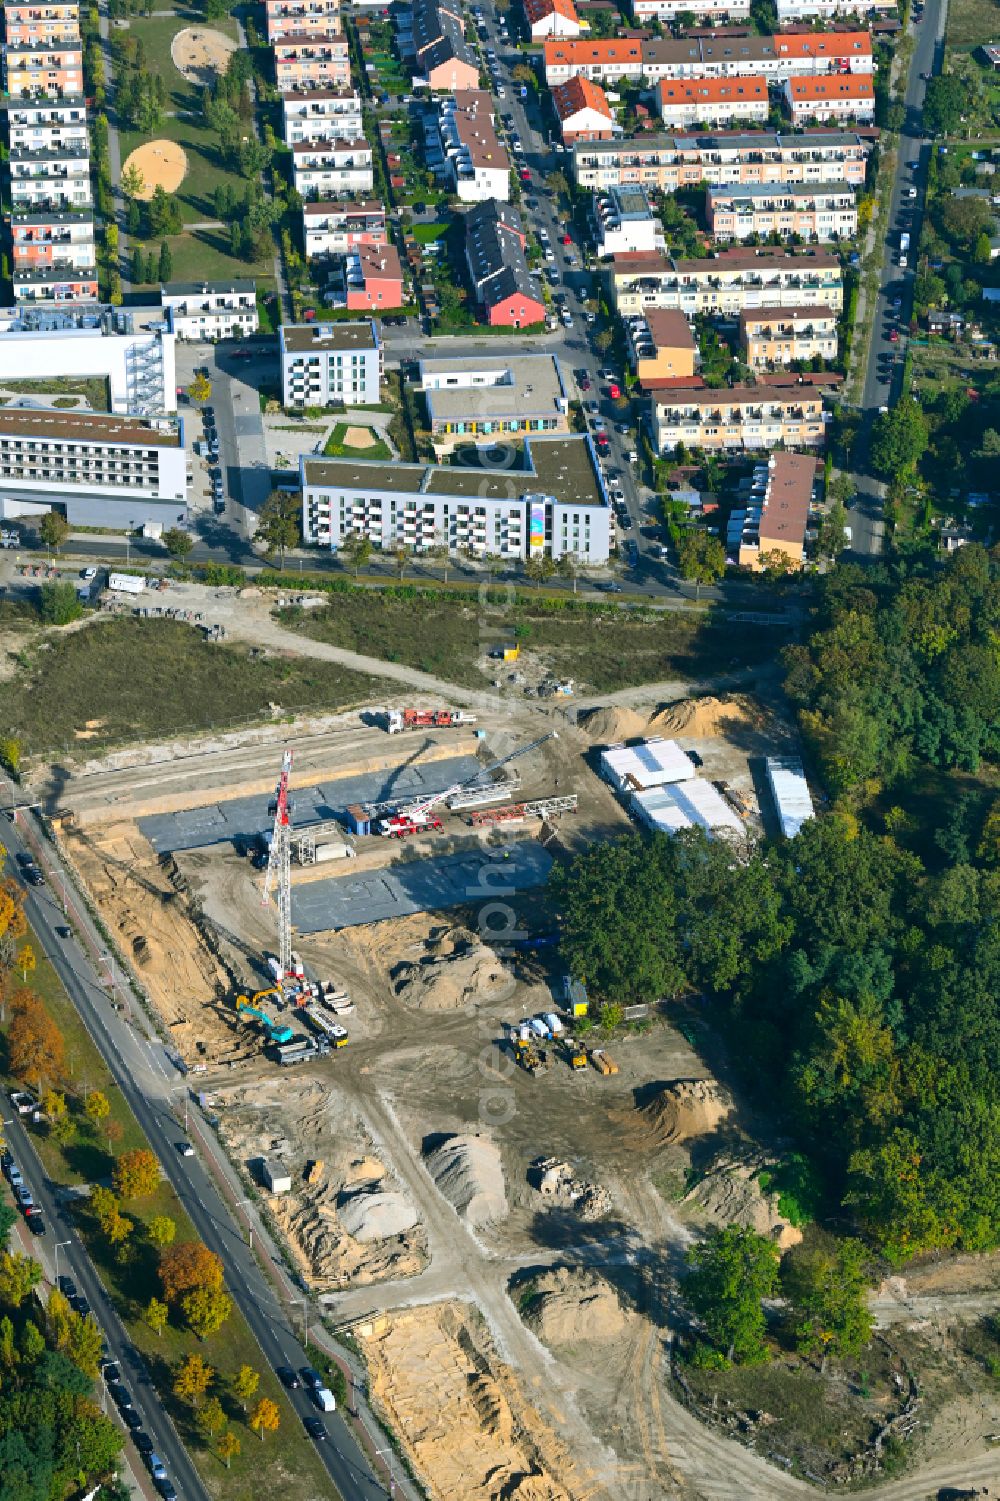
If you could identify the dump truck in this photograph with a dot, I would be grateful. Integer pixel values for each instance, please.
(300, 1051)
(398, 720)
(603, 1062)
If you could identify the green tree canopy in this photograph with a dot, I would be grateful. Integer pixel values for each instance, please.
(730, 1273)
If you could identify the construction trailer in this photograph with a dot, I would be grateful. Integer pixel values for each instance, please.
(398, 720)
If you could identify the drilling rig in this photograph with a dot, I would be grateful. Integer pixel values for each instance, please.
(279, 868)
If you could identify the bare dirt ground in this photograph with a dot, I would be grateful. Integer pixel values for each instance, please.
(199, 54)
(163, 164)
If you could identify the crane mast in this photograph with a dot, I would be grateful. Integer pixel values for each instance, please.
(279, 867)
(411, 816)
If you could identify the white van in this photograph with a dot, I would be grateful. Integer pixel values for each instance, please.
(324, 1399)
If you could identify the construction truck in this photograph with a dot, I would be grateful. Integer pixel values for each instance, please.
(603, 1061)
(402, 825)
(276, 1031)
(416, 818)
(398, 720)
(533, 1060)
(300, 1051)
(325, 1024)
(574, 1053)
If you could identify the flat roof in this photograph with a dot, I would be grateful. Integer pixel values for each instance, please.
(534, 386)
(651, 763)
(364, 208)
(790, 791)
(738, 140)
(802, 314)
(694, 804)
(757, 190)
(363, 474)
(738, 396)
(58, 272)
(314, 338)
(41, 424)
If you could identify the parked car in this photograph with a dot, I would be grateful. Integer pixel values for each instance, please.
(23, 1196)
(120, 1396)
(157, 1468)
(311, 1378)
(35, 1222)
(67, 1287)
(111, 1371)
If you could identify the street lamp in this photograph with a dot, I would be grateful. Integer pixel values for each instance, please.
(187, 1096)
(57, 1248)
(392, 1474)
(245, 1206)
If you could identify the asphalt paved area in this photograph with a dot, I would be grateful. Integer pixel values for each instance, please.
(245, 817)
(418, 886)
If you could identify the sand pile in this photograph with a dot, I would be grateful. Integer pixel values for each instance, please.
(573, 1305)
(730, 1194)
(555, 1182)
(691, 1107)
(610, 725)
(376, 1215)
(451, 973)
(468, 1171)
(697, 718)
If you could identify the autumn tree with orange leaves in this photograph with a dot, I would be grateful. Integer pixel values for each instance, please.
(187, 1268)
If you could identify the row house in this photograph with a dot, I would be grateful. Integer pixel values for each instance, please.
(707, 12)
(334, 228)
(777, 517)
(750, 418)
(305, 62)
(601, 61)
(653, 59)
(476, 162)
(39, 123)
(661, 346)
(49, 239)
(325, 169)
(833, 98)
(50, 179)
(321, 115)
(498, 268)
(55, 20)
(583, 111)
(726, 284)
(666, 164)
(829, 10)
(712, 101)
(826, 211)
(373, 278)
(49, 68)
(444, 58)
(551, 18)
(287, 18)
(59, 282)
(773, 337)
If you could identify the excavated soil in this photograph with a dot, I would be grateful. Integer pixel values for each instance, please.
(460, 1412)
(469, 1173)
(453, 970)
(692, 718)
(609, 726)
(681, 1111)
(729, 1193)
(570, 1306)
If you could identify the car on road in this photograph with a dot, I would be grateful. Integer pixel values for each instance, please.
(166, 1489)
(35, 1222)
(144, 1444)
(157, 1468)
(583, 381)
(623, 428)
(33, 876)
(185, 1148)
(523, 174)
(893, 336)
(23, 1196)
(80, 1305)
(315, 1429)
(911, 192)
(311, 1379)
(288, 1377)
(119, 1395)
(625, 521)
(67, 1287)
(111, 1371)
(88, 574)
(606, 374)
(566, 239)
(131, 1419)
(611, 588)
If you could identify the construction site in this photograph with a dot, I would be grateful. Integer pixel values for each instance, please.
(342, 927)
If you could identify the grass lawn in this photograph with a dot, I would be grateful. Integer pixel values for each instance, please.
(94, 388)
(284, 1464)
(104, 673)
(971, 22)
(336, 448)
(204, 253)
(156, 35)
(601, 647)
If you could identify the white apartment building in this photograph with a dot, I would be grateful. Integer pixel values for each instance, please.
(326, 169)
(336, 228)
(50, 178)
(625, 222)
(131, 348)
(474, 161)
(828, 10)
(824, 211)
(212, 309)
(725, 284)
(667, 163)
(556, 504)
(39, 124)
(54, 284)
(103, 470)
(707, 12)
(321, 115)
(326, 364)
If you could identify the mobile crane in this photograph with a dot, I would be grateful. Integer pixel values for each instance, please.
(417, 817)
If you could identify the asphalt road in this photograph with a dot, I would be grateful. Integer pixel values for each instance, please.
(883, 376)
(147, 1081)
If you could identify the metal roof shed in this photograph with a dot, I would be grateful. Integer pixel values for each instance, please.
(636, 768)
(791, 794)
(685, 805)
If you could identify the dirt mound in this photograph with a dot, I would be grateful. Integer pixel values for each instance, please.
(468, 1171)
(572, 1305)
(610, 725)
(698, 718)
(730, 1194)
(377, 1215)
(691, 1107)
(451, 973)
(554, 1180)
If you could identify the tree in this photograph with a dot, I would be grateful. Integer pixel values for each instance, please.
(402, 556)
(832, 536)
(192, 1380)
(166, 264)
(132, 184)
(31, 1343)
(357, 550)
(206, 1310)
(983, 251)
(161, 1230)
(945, 101)
(279, 527)
(828, 1286)
(245, 1384)
(557, 183)
(86, 1339)
(200, 388)
(212, 1419)
(177, 542)
(97, 1107)
(188, 1266)
(18, 1275)
(119, 1228)
(26, 961)
(60, 602)
(155, 1315)
(899, 438)
(265, 1417)
(701, 557)
(136, 1174)
(228, 1446)
(103, 1206)
(53, 529)
(539, 569)
(731, 1272)
(35, 1044)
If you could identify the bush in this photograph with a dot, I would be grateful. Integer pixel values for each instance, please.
(60, 603)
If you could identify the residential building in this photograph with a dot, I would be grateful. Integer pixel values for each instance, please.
(486, 398)
(42, 21)
(835, 97)
(775, 58)
(555, 504)
(321, 115)
(712, 101)
(821, 211)
(707, 12)
(32, 68)
(828, 10)
(212, 309)
(306, 62)
(50, 178)
(819, 52)
(324, 169)
(667, 163)
(661, 346)
(583, 111)
(602, 61)
(48, 239)
(287, 18)
(59, 282)
(444, 58)
(326, 364)
(550, 18)
(103, 470)
(131, 348)
(740, 417)
(476, 163)
(777, 523)
(373, 278)
(498, 269)
(334, 228)
(775, 336)
(625, 222)
(37, 123)
(725, 284)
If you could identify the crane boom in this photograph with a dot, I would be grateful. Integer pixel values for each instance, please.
(279, 866)
(415, 813)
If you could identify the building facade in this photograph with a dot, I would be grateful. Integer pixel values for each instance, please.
(334, 228)
(775, 524)
(726, 284)
(56, 283)
(624, 221)
(287, 18)
(325, 169)
(131, 348)
(661, 346)
(36, 124)
(583, 111)
(830, 10)
(836, 97)
(50, 178)
(326, 364)
(212, 309)
(307, 62)
(775, 337)
(712, 101)
(477, 164)
(498, 268)
(52, 239)
(373, 278)
(706, 12)
(667, 163)
(321, 115)
(49, 68)
(740, 417)
(652, 59)
(824, 211)
(48, 21)
(551, 18)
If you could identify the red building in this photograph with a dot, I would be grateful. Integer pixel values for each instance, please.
(374, 278)
(498, 268)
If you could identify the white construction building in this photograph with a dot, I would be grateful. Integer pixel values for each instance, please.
(693, 804)
(652, 763)
(790, 791)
